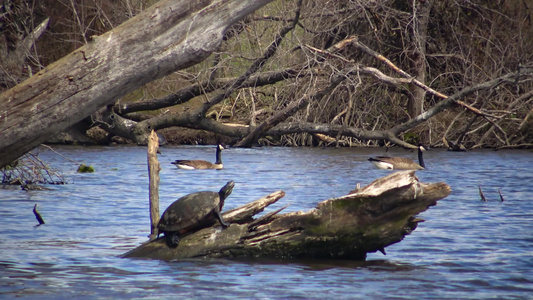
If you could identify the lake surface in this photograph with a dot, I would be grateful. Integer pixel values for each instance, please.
(466, 249)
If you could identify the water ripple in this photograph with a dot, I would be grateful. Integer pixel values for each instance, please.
(466, 249)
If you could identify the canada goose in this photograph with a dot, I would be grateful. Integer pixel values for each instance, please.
(399, 163)
(201, 164)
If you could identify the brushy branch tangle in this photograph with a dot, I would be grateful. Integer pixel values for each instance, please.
(454, 99)
(30, 169)
(491, 116)
(378, 117)
(407, 78)
(508, 78)
(247, 79)
(258, 63)
(501, 44)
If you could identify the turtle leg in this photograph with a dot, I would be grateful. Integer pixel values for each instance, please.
(219, 217)
(172, 239)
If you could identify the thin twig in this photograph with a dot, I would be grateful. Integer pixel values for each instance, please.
(63, 156)
(256, 65)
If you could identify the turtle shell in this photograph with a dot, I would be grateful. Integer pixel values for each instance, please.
(190, 211)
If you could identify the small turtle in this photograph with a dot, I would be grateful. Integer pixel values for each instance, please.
(193, 212)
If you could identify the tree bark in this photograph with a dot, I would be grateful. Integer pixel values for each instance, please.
(417, 55)
(153, 177)
(168, 36)
(348, 227)
(16, 45)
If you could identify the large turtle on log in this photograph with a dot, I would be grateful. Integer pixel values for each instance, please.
(193, 212)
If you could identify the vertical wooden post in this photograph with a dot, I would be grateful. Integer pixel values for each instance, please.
(153, 175)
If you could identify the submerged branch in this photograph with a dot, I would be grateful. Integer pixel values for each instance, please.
(38, 215)
(29, 170)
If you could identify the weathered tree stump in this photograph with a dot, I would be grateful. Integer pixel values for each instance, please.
(348, 227)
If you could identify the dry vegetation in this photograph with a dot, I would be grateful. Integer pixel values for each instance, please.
(467, 43)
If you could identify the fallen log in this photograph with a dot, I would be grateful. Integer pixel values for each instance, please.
(366, 220)
(166, 37)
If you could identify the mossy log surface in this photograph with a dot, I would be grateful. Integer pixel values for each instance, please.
(348, 227)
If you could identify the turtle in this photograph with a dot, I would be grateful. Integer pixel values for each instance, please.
(192, 212)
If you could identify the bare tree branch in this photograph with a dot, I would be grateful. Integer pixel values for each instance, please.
(188, 93)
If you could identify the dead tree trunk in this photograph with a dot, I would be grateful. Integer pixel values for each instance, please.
(366, 220)
(18, 34)
(153, 177)
(168, 36)
(417, 55)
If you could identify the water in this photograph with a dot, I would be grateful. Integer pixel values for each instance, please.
(466, 249)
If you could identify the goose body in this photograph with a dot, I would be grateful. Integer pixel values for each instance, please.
(400, 163)
(196, 164)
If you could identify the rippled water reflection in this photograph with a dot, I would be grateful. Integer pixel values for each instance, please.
(465, 249)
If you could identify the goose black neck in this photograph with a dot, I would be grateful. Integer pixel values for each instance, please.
(421, 158)
(219, 156)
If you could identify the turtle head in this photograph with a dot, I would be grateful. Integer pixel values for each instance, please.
(226, 190)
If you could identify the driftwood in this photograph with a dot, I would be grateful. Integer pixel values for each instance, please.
(348, 227)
